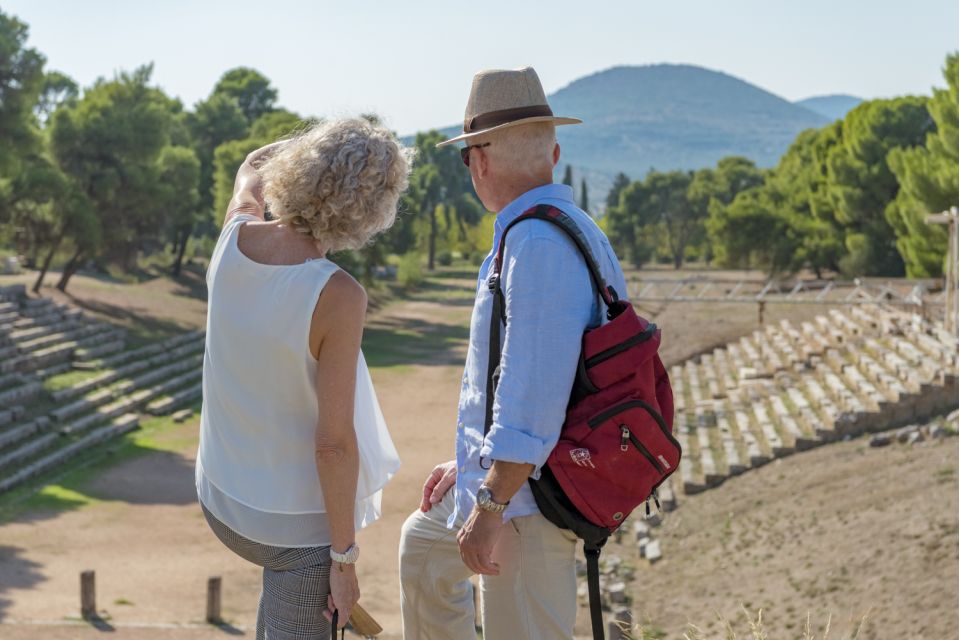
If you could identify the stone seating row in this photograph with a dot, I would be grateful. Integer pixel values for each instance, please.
(37, 435)
(118, 427)
(170, 403)
(148, 350)
(124, 387)
(842, 374)
(137, 360)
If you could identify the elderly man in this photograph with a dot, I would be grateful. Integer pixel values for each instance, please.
(489, 523)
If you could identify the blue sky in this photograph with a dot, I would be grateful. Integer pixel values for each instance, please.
(412, 60)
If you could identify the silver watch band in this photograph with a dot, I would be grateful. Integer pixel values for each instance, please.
(350, 556)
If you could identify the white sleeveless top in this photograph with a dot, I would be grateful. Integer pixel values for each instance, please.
(255, 469)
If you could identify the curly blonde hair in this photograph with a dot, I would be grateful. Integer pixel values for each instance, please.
(338, 181)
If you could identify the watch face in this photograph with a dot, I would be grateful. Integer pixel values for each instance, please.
(483, 497)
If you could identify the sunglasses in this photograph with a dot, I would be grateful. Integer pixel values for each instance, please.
(465, 151)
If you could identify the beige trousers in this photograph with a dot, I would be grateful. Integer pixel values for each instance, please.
(533, 597)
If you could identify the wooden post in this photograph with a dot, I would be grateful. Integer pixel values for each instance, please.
(950, 218)
(213, 599)
(88, 595)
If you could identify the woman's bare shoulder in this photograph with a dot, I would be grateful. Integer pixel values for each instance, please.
(342, 296)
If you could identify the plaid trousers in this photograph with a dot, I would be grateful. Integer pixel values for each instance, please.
(296, 583)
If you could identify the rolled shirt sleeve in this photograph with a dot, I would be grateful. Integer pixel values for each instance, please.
(550, 301)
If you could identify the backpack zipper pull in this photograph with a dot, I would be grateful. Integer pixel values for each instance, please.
(647, 508)
(624, 441)
(659, 507)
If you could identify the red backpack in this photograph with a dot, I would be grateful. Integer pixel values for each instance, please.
(616, 445)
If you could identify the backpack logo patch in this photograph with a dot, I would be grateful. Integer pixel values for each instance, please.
(582, 458)
(664, 461)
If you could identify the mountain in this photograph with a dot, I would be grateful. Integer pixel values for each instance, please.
(834, 107)
(668, 116)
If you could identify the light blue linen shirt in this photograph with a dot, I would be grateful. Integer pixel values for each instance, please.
(550, 302)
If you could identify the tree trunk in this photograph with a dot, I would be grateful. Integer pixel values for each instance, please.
(677, 260)
(72, 266)
(46, 263)
(432, 248)
(182, 238)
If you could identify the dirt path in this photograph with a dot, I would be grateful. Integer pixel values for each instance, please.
(148, 542)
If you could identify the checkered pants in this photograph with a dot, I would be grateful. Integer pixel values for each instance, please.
(296, 582)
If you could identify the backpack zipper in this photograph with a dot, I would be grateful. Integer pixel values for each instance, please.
(629, 436)
(599, 419)
(629, 343)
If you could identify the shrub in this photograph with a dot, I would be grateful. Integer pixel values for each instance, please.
(410, 270)
(445, 258)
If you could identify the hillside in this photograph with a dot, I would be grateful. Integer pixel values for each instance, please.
(669, 116)
(833, 107)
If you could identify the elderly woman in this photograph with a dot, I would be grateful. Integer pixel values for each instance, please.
(294, 452)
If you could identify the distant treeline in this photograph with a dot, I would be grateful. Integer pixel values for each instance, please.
(850, 198)
(120, 170)
(104, 176)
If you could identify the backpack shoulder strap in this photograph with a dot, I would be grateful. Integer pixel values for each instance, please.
(498, 316)
(562, 220)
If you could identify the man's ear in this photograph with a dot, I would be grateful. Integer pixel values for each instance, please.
(481, 161)
(556, 155)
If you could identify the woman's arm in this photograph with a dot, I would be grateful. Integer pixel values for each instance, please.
(247, 187)
(338, 319)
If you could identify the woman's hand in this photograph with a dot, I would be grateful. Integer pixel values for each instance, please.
(344, 592)
(248, 186)
(258, 158)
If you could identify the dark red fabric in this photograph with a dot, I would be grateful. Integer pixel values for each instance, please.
(616, 445)
(603, 474)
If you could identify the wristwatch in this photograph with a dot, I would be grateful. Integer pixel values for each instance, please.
(350, 556)
(484, 500)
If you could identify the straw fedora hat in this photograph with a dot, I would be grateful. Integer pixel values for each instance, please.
(501, 98)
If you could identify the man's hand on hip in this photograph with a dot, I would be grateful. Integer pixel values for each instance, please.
(477, 538)
(440, 480)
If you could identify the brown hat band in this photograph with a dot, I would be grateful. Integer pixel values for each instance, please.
(495, 118)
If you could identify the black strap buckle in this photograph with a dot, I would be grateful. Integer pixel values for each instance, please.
(493, 282)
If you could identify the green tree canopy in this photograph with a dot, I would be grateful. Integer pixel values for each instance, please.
(251, 90)
(110, 143)
(21, 73)
(862, 185)
(929, 181)
(56, 89)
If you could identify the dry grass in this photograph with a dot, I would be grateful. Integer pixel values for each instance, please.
(756, 629)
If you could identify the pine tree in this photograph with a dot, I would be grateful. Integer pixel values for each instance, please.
(583, 196)
(620, 182)
(568, 177)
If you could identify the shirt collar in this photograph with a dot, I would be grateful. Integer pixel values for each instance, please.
(518, 206)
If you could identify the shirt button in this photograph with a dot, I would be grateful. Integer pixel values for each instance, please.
(462, 469)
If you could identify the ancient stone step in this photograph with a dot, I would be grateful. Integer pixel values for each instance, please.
(120, 426)
(21, 394)
(19, 433)
(166, 404)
